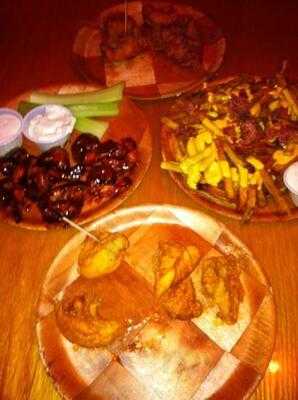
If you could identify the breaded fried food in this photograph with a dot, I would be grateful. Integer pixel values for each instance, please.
(103, 257)
(95, 312)
(180, 301)
(175, 263)
(222, 286)
(78, 316)
(120, 41)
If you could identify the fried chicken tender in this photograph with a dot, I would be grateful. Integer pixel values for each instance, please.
(176, 263)
(180, 301)
(96, 312)
(78, 317)
(100, 258)
(221, 284)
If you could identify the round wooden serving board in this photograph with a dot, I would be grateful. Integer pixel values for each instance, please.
(150, 75)
(131, 122)
(197, 359)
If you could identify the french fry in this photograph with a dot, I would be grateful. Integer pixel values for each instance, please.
(176, 147)
(233, 156)
(226, 171)
(216, 199)
(169, 123)
(250, 204)
(275, 193)
(261, 199)
(229, 188)
(251, 196)
(211, 126)
(171, 166)
(291, 100)
(242, 197)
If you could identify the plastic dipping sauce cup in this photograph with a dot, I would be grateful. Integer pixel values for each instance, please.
(11, 123)
(48, 126)
(291, 181)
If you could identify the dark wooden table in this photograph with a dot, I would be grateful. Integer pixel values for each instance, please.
(35, 49)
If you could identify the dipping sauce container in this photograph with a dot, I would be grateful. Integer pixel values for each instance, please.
(48, 125)
(291, 181)
(11, 123)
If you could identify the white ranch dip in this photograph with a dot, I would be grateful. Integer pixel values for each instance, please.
(56, 122)
(291, 181)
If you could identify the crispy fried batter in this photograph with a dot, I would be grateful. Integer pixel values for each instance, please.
(120, 42)
(221, 284)
(95, 312)
(176, 262)
(78, 316)
(180, 301)
(97, 259)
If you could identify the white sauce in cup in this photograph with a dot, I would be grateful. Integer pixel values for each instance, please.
(291, 181)
(48, 126)
(11, 123)
(52, 124)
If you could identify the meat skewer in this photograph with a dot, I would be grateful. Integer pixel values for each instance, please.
(79, 228)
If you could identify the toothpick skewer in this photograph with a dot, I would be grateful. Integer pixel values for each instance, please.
(79, 228)
(125, 16)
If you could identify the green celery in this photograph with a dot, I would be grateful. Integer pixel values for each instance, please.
(110, 94)
(94, 110)
(87, 125)
(25, 106)
(79, 110)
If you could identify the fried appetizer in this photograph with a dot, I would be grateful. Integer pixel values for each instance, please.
(103, 257)
(176, 262)
(121, 41)
(222, 286)
(78, 316)
(180, 301)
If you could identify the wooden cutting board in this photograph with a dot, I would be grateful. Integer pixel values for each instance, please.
(195, 359)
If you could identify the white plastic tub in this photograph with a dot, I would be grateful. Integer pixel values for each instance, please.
(50, 132)
(11, 124)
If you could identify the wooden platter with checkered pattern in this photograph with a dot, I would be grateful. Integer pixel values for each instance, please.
(149, 75)
(195, 359)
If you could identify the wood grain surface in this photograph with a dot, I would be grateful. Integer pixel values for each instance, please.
(35, 47)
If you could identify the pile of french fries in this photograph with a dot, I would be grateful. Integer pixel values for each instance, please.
(216, 172)
(238, 189)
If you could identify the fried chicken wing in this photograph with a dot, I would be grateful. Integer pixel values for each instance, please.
(176, 262)
(120, 42)
(222, 286)
(180, 301)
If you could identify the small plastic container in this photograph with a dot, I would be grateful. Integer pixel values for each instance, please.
(291, 181)
(11, 124)
(48, 141)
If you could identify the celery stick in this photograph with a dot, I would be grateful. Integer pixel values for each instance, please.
(94, 110)
(79, 110)
(113, 93)
(87, 125)
(25, 106)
